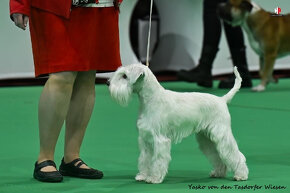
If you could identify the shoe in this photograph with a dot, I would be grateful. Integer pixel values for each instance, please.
(187, 75)
(229, 83)
(196, 75)
(202, 73)
(54, 176)
(70, 169)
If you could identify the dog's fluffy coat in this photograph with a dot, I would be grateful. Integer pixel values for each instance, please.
(167, 117)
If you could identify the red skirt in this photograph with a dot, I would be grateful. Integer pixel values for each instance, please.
(89, 40)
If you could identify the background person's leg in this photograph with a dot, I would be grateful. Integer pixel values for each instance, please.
(235, 40)
(211, 38)
(211, 24)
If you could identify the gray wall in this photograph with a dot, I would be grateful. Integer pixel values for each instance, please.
(182, 17)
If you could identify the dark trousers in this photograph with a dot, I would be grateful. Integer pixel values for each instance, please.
(212, 28)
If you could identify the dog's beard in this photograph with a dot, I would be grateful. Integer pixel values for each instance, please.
(121, 94)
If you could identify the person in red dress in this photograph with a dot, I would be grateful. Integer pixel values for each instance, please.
(71, 41)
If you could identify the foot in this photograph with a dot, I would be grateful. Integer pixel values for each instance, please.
(188, 75)
(77, 168)
(140, 177)
(48, 169)
(241, 173)
(218, 173)
(240, 178)
(273, 80)
(154, 180)
(46, 172)
(196, 75)
(81, 164)
(259, 88)
(229, 83)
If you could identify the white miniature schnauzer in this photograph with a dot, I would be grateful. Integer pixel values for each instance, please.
(167, 117)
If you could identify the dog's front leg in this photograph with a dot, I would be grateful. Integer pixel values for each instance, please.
(266, 72)
(160, 159)
(145, 141)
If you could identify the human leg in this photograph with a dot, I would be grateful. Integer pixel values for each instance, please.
(212, 33)
(77, 119)
(79, 113)
(53, 106)
(235, 40)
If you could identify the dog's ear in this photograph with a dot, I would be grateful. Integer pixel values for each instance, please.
(139, 77)
(246, 5)
(136, 73)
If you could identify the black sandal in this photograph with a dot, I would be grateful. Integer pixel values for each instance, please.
(54, 176)
(70, 169)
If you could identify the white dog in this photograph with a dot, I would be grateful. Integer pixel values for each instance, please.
(167, 117)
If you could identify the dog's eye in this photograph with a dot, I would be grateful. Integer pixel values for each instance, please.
(124, 76)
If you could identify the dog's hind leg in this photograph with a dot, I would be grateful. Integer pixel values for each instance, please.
(229, 153)
(267, 71)
(261, 64)
(160, 159)
(145, 141)
(209, 149)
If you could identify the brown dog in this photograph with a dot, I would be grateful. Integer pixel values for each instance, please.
(268, 33)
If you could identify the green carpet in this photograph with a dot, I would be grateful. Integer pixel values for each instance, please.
(260, 123)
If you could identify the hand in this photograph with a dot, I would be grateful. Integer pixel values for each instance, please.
(20, 20)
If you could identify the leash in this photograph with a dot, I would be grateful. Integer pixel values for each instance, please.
(149, 34)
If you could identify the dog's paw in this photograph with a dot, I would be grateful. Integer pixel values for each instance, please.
(154, 180)
(242, 173)
(259, 88)
(140, 177)
(218, 173)
(240, 178)
(273, 80)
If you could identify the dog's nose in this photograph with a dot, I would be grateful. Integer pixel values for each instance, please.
(108, 82)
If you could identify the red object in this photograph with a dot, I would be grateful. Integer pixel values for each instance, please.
(278, 10)
(57, 7)
(71, 39)
(88, 40)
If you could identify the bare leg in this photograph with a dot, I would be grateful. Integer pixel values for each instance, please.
(209, 149)
(53, 107)
(79, 113)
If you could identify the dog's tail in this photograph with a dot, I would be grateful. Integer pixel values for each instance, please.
(238, 81)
